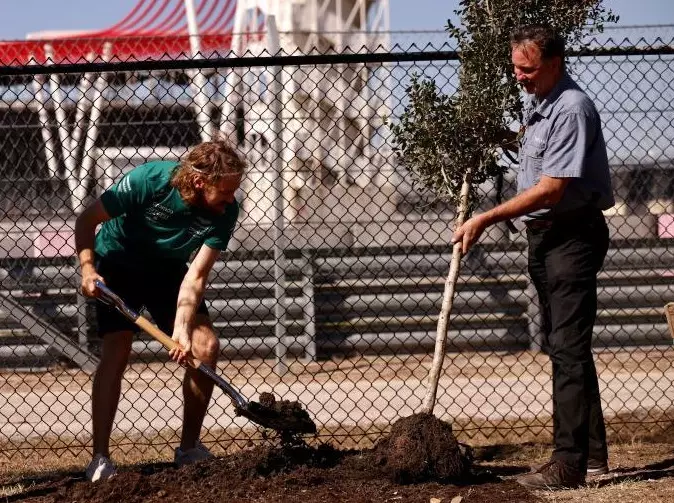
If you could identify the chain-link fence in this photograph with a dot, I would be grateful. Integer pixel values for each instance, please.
(330, 289)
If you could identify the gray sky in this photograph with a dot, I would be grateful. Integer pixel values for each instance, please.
(24, 16)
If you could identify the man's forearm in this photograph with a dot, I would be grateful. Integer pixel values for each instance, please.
(532, 199)
(189, 297)
(86, 257)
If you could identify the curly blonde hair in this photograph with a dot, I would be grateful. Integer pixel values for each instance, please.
(212, 161)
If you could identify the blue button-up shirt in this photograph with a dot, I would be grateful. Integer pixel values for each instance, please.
(563, 139)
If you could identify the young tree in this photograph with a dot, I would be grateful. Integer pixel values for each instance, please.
(451, 144)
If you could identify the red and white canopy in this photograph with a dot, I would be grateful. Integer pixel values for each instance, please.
(154, 29)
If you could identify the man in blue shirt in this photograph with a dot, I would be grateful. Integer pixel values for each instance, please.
(563, 186)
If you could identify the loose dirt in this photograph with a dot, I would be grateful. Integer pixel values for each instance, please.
(285, 416)
(422, 447)
(420, 460)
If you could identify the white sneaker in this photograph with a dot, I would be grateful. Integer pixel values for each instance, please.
(197, 453)
(100, 468)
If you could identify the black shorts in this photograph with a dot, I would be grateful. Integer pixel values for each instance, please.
(156, 291)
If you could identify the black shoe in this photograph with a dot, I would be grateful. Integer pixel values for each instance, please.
(553, 475)
(596, 467)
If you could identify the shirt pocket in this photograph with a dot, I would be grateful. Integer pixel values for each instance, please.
(532, 157)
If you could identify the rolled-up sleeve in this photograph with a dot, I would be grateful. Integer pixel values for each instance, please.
(568, 143)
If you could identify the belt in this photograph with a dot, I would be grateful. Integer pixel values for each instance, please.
(537, 224)
(574, 217)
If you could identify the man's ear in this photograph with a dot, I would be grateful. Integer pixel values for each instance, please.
(199, 182)
(558, 63)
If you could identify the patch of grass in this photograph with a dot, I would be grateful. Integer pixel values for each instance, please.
(12, 490)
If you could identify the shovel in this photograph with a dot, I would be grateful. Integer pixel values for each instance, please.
(287, 421)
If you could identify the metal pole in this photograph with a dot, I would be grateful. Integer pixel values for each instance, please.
(44, 331)
(192, 27)
(198, 81)
(82, 107)
(280, 349)
(58, 97)
(341, 147)
(233, 81)
(89, 154)
(309, 306)
(50, 148)
(69, 141)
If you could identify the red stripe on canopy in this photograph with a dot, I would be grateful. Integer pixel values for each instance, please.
(154, 29)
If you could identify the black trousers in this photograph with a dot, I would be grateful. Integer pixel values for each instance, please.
(565, 256)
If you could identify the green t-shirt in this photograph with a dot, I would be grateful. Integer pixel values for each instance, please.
(150, 223)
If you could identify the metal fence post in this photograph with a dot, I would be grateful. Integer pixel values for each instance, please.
(308, 305)
(280, 350)
(198, 80)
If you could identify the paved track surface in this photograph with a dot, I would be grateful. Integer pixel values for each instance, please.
(475, 387)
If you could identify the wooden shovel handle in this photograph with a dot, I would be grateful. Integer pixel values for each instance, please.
(160, 336)
(112, 299)
(237, 400)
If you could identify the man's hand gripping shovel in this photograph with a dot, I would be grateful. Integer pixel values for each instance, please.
(287, 422)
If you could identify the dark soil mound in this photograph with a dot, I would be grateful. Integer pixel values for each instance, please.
(422, 447)
(220, 479)
(267, 461)
(287, 473)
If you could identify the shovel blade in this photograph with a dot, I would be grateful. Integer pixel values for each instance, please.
(284, 421)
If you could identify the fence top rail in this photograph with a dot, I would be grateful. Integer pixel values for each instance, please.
(301, 60)
(231, 62)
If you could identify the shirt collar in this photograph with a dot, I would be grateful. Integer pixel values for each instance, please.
(544, 107)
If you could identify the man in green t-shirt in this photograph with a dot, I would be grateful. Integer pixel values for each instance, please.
(153, 220)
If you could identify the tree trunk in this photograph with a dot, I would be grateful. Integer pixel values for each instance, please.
(447, 302)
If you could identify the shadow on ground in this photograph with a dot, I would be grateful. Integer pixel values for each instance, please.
(654, 471)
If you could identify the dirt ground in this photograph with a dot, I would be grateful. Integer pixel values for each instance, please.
(271, 475)
(49, 469)
(642, 471)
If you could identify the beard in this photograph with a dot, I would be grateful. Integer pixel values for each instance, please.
(200, 202)
(528, 86)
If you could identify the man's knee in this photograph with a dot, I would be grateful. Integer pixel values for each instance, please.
(571, 357)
